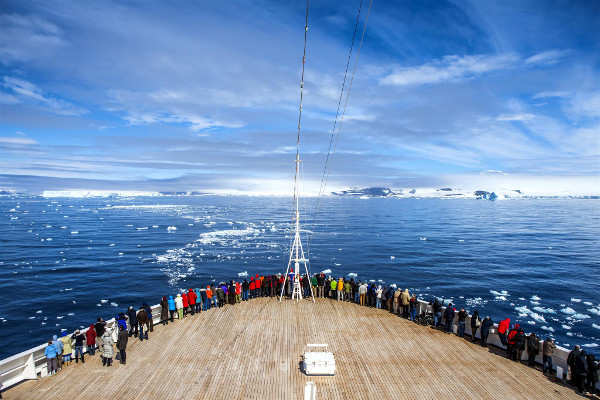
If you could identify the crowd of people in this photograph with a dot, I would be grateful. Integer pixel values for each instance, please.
(583, 368)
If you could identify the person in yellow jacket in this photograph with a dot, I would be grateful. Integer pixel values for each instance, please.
(405, 300)
(340, 289)
(333, 288)
(67, 349)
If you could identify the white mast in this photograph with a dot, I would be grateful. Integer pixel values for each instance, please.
(296, 250)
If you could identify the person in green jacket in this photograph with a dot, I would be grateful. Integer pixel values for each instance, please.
(313, 283)
(333, 288)
(347, 289)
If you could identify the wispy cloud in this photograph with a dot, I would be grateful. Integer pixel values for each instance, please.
(458, 68)
(22, 91)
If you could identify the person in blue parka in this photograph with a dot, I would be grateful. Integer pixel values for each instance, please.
(172, 307)
(51, 353)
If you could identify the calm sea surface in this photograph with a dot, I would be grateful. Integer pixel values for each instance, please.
(65, 262)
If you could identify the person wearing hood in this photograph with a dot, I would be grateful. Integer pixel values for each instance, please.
(192, 300)
(59, 348)
(122, 340)
(133, 322)
(209, 296)
(592, 377)
(389, 298)
(533, 348)
(519, 345)
(510, 340)
(252, 287)
(581, 371)
(547, 350)
(78, 337)
(172, 307)
(100, 328)
(164, 311)
(503, 330)
(51, 353)
(67, 349)
(107, 348)
(179, 305)
(121, 320)
(486, 324)
(573, 354)
(449, 318)
(238, 292)
(142, 317)
(90, 336)
(150, 319)
(475, 324)
(186, 304)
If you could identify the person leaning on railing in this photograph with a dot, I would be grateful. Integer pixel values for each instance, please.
(51, 353)
(547, 351)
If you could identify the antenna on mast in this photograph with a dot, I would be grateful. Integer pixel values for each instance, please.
(296, 250)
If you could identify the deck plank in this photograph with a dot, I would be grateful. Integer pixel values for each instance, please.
(252, 351)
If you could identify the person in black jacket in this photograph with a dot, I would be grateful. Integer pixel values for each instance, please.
(133, 322)
(449, 318)
(485, 330)
(245, 289)
(100, 326)
(436, 307)
(122, 343)
(533, 348)
(581, 371)
(592, 378)
(571, 363)
(79, 338)
(475, 324)
(519, 344)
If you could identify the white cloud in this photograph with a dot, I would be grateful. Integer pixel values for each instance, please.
(28, 93)
(515, 117)
(17, 140)
(546, 57)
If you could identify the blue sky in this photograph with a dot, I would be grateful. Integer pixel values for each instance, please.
(183, 95)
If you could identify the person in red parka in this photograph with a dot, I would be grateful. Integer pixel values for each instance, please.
(502, 330)
(90, 335)
(252, 287)
(510, 348)
(192, 300)
(186, 304)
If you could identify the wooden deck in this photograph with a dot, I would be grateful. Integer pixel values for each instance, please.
(253, 350)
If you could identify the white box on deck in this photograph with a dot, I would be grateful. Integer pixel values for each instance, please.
(318, 362)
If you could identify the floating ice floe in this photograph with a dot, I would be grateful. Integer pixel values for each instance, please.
(352, 275)
(580, 316)
(567, 327)
(575, 300)
(31, 317)
(121, 254)
(531, 322)
(103, 301)
(590, 345)
(171, 228)
(535, 297)
(190, 269)
(155, 226)
(38, 312)
(74, 232)
(71, 313)
(326, 271)
(60, 317)
(392, 257)
(111, 245)
(594, 310)
(422, 238)
(568, 311)
(544, 310)
(501, 293)
(63, 227)
(242, 274)
(114, 304)
(461, 240)
(548, 328)
(596, 326)
(143, 228)
(588, 303)
(68, 289)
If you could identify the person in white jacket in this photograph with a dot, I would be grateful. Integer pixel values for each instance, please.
(179, 306)
(379, 292)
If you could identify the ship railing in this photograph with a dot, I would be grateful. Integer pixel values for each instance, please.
(31, 364)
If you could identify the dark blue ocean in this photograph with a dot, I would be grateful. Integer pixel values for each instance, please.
(66, 261)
